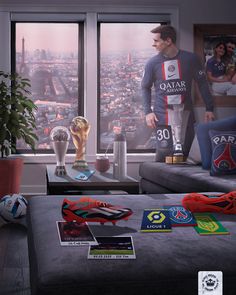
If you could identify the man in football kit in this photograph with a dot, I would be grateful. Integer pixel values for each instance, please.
(171, 72)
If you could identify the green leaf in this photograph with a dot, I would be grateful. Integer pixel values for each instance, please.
(2, 135)
(17, 110)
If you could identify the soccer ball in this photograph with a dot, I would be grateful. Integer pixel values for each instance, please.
(13, 208)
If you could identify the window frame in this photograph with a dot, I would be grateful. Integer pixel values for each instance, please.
(117, 19)
(59, 12)
(80, 110)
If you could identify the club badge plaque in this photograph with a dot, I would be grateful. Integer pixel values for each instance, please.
(164, 142)
(60, 137)
(79, 129)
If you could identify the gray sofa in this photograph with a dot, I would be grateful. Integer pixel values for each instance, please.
(159, 177)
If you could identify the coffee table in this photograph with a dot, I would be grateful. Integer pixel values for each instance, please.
(98, 182)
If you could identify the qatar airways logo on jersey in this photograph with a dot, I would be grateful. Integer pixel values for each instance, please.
(172, 76)
(173, 86)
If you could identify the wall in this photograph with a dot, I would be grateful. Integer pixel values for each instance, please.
(187, 13)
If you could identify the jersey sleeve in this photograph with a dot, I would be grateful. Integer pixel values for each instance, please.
(200, 77)
(146, 85)
(209, 66)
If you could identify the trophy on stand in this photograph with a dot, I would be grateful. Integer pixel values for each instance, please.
(60, 137)
(175, 116)
(79, 129)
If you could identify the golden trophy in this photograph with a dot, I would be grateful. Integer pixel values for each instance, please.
(79, 129)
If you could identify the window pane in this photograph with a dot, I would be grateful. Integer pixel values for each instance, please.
(47, 54)
(124, 50)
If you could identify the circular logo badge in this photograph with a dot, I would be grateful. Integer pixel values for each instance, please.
(171, 68)
(180, 215)
(210, 282)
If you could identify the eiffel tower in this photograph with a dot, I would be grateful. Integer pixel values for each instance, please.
(23, 70)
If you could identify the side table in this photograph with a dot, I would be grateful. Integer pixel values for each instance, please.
(103, 182)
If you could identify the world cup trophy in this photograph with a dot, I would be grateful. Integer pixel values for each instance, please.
(79, 129)
(60, 137)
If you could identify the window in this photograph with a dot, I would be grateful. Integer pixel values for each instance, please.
(74, 71)
(124, 50)
(49, 54)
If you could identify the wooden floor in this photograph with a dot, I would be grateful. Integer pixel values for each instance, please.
(14, 262)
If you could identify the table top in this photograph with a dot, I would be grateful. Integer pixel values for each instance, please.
(96, 178)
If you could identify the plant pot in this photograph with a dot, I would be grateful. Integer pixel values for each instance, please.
(10, 175)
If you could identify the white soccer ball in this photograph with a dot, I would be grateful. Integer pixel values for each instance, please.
(13, 208)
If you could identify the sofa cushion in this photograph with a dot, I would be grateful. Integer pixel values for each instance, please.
(152, 188)
(185, 178)
(202, 131)
(223, 152)
(166, 263)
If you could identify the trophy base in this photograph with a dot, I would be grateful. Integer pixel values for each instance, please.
(178, 159)
(60, 170)
(80, 164)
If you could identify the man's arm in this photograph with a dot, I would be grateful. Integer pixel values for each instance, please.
(151, 120)
(209, 116)
(146, 85)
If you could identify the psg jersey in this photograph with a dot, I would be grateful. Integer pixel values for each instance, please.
(172, 80)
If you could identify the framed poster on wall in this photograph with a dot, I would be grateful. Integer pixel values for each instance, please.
(207, 37)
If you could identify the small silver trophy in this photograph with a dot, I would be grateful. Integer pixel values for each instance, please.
(176, 119)
(60, 137)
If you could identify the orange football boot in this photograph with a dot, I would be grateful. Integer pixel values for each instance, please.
(225, 203)
(91, 210)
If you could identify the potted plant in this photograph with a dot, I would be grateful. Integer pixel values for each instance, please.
(17, 122)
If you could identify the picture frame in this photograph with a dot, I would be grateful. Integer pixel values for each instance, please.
(205, 37)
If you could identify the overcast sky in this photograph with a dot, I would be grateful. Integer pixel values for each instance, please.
(63, 37)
